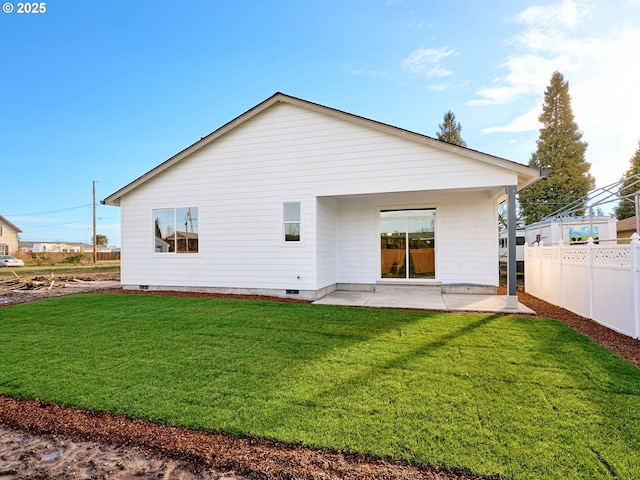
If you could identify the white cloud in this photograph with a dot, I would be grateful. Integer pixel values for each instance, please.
(427, 61)
(567, 14)
(597, 58)
(523, 123)
(439, 87)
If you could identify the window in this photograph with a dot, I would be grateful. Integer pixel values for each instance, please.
(407, 243)
(176, 230)
(519, 241)
(4, 249)
(291, 221)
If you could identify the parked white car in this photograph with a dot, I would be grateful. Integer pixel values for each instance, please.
(10, 261)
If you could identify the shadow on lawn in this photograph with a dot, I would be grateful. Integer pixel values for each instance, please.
(599, 411)
(402, 356)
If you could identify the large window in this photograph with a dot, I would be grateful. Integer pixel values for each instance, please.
(407, 243)
(176, 230)
(291, 221)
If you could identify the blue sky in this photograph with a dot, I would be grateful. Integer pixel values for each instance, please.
(106, 90)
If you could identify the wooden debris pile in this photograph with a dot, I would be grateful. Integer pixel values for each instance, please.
(41, 283)
(19, 284)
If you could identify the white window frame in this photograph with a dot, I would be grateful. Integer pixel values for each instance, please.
(175, 209)
(286, 222)
(435, 207)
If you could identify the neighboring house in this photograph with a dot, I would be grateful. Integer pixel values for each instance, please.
(60, 247)
(294, 198)
(8, 237)
(626, 227)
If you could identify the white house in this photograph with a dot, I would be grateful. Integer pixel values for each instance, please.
(295, 198)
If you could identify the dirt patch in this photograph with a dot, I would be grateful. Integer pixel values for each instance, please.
(25, 289)
(24, 455)
(45, 441)
(78, 441)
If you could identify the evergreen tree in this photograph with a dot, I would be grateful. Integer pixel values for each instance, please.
(450, 130)
(626, 208)
(561, 153)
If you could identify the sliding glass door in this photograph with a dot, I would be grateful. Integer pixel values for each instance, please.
(407, 243)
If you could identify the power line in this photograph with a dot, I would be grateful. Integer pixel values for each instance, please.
(47, 212)
(60, 224)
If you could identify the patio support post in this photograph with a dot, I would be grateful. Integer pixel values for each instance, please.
(512, 297)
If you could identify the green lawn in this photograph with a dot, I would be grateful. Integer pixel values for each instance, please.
(520, 397)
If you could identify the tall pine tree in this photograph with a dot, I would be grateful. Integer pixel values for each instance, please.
(450, 130)
(561, 153)
(626, 208)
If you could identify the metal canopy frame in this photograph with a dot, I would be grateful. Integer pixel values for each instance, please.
(596, 197)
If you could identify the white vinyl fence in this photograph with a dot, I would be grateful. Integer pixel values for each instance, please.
(600, 282)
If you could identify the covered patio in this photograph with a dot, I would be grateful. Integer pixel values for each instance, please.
(422, 297)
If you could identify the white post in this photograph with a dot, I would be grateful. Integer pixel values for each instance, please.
(561, 299)
(635, 281)
(540, 263)
(590, 275)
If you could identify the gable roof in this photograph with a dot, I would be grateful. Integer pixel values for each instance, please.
(526, 175)
(626, 225)
(9, 224)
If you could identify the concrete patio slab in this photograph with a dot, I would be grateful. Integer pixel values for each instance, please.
(422, 298)
(348, 299)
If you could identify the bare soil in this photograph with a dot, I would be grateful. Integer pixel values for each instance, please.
(39, 440)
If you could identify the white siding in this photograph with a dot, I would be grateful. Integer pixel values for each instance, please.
(288, 153)
(326, 244)
(466, 236)
(9, 237)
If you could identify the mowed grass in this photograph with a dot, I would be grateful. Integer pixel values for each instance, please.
(519, 397)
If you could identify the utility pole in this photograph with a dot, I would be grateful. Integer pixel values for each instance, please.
(95, 252)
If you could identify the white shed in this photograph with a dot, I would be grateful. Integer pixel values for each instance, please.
(295, 198)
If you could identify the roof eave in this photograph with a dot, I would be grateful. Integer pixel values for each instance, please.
(526, 175)
(14, 227)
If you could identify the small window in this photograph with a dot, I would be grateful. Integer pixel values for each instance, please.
(176, 230)
(520, 240)
(291, 221)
